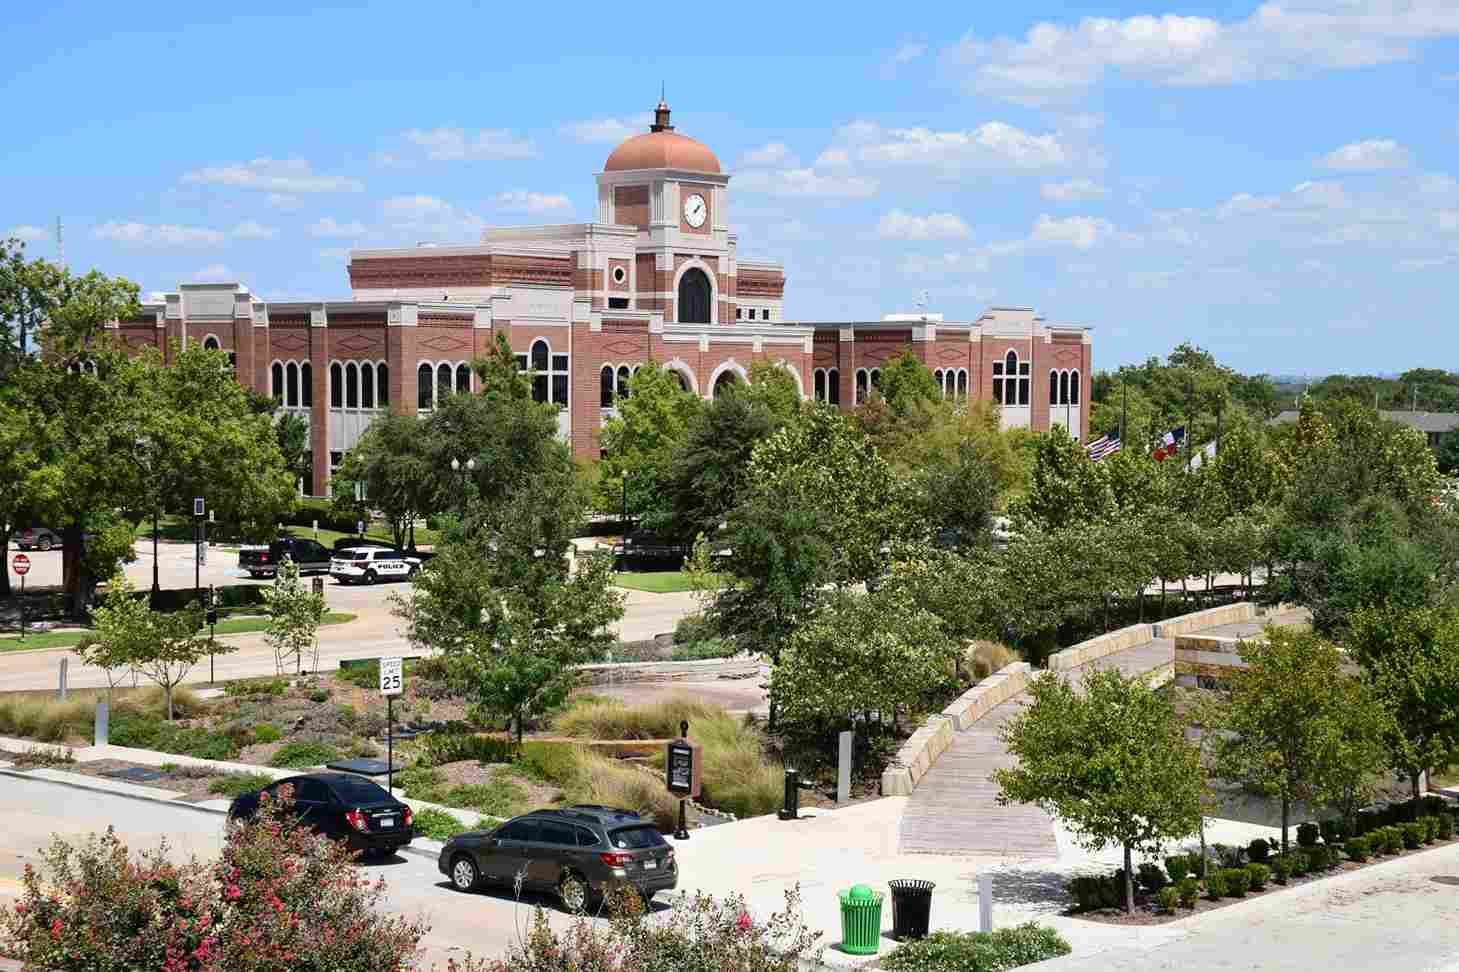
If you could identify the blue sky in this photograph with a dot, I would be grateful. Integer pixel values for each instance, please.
(1279, 183)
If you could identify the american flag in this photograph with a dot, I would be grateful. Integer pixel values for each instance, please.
(1103, 446)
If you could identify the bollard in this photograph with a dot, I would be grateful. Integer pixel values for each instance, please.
(843, 768)
(61, 690)
(985, 902)
(791, 810)
(103, 722)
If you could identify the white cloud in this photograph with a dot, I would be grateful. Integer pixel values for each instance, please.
(1375, 153)
(1080, 232)
(805, 182)
(992, 145)
(279, 176)
(329, 226)
(522, 201)
(282, 201)
(1281, 39)
(1420, 264)
(776, 153)
(1075, 190)
(428, 217)
(606, 131)
(254, 230)
(164, 235)
(332, 254)
(905, 53)
(30, 234)
(213, 273)
(897, 225)
(456, 145)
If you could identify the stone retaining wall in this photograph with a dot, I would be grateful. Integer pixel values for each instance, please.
(1209, 618)
(921, 750)
(1106, 644)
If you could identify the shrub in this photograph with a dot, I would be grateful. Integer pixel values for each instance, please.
(1238, 880)
(1229, 856)
(1444, 826)
(694, 627)
(1307, 834)
(319, 695)
(1297, 862)
(555, 763)
(1152, 878)
(1393, 839)
(266, 732)
(257, 686)
(983, 658)
(1197, 863)
(1431, 828)
(237, 784)
(1259, 875)
(1216, 885)
(1258, 851)
(1317, 858)
(600, 779)
(140, 731)
(42, 756)
(1177, 866)
(1086, 891)
(303, 753)
(1413, 835)
(1281, 868)
(435, 824)
(1005, 948)
(499, 798)
(1357, 849)
(1334, 830)
(1167, 898)
(440, 748)
(1190, 890)
(611, 719)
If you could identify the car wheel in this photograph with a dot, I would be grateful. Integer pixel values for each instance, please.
(464, 875)
(410, 574)
(572, 891)
(371, 577)
(44, 543)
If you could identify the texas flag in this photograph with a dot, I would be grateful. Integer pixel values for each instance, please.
(1170, 445)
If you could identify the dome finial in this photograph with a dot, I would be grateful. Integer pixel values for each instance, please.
(661, 113)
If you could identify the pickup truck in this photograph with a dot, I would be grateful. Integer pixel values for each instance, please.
(642, 550)
(263, 561)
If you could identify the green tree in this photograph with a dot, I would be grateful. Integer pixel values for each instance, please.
(121, 633)
(961, 468)
(1066, 487)
(392, 463)
(29, 290)
(1364, 725)
(1112, 762)
(295, 614)
(1281, 726)
(26, 483)
(907, 385)
(709, 471)
(174, 644)
(653, 421)
(1410, 661)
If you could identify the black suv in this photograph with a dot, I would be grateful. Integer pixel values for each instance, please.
(340, 806)
(578, 852)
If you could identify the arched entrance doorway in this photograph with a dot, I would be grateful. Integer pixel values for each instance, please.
(695, 297)
(727, 380)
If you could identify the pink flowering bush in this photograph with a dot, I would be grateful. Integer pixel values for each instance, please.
(703, 934)
(279, 899)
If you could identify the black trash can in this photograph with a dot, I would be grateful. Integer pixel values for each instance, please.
(911, 908)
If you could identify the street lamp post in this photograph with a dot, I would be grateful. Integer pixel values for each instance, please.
(470, 467)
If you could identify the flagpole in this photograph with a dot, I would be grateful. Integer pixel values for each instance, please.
(1124, 405)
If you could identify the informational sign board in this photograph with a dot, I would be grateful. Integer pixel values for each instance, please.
(197, 506)
(21, 565)
(392, 676)
(360, 527)
(319, 586)
(683, 768)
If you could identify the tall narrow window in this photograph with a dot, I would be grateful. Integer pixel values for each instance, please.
(367, 385)
(876, 378)
(962, 383)
(211, 344)
(695, 298)
(1063, 388)
(291, 384)
(1074, 388)
(1053, 387)
(443, 383)
(351, 385)
(424, 383)
(623, 377)
(276, 374)
(382, 382)
(306, 387)
(998, 382)
(1023, 383)
(336, 385)
(860, 385)
(833, 382)
(937, 377)
(540, 380)
(463, 379)
(605, 387)
(820, 385)
(539, 356)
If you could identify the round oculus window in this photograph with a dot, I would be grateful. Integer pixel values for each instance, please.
(619, 275)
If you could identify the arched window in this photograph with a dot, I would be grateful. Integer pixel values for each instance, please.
(833, 386)
(695, 296)
(291, 384)
(367, 385)
(443, 382)
(463, 379)
(539, 356)
(336, 385)
(683, 380)
(937, 377)
(306, 385)
(382, 383)
(962, 383)
(876, 378)
(1074, 388)
(1063, 388)
(211, 344)
(998, 382)
(424, 381)
(820, 385)
(623, 377)
(727, 379)
(1053, 387)
(351, 385)
(861, 386)
(605, 387)
(276, 373)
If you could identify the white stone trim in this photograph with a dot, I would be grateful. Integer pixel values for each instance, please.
(682, 366)
(695, 262)
(799, 380)
(729, 365)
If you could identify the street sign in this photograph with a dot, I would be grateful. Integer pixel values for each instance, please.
(21, 565)
(683, 768)
(392, 676)
(319, 586)
(197, 506)
(360, 527)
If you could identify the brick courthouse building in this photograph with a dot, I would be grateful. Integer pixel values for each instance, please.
(657, 276)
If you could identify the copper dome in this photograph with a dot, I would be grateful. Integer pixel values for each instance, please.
(662, 148)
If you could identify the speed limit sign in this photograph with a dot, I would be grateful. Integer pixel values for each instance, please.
(392, 676)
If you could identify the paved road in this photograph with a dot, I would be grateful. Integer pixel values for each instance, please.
(33, 810)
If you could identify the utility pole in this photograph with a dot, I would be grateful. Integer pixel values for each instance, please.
(60, 244)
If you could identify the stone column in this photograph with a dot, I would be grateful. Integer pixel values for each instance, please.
(319, 413)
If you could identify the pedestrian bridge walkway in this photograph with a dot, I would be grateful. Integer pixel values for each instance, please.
(954, 808)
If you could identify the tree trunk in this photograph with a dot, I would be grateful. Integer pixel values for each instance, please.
(1413, 779)
(412, 532)
(1129, 884)
(1203, 847)
(1142, 605)
(167, 694)
(1185, 591)
(4, 560)
(519, 721)
(1286, 815)
(78, 584)
(1162, 598)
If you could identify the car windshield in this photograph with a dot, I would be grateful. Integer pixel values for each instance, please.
(354, 791)
(636, 838)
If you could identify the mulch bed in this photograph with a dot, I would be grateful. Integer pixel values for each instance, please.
(191, 782)
(1147, 914)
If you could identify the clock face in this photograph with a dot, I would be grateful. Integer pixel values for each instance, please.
(695, 210)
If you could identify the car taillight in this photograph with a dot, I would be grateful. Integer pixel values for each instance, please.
(409, 816)
(356, 819)
(616, 860)
(263, 558)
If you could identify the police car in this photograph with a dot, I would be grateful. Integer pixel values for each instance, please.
(370, 565)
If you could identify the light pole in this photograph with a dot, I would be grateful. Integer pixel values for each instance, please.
(140, 443)
(470, 467)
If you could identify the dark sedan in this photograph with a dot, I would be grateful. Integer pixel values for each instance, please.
(341, 807)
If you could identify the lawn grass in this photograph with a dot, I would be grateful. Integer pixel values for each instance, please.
(654, 582)
(68, 639)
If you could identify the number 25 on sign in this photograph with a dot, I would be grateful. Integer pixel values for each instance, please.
(392, 676)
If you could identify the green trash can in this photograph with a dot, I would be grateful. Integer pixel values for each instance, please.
(860, 920)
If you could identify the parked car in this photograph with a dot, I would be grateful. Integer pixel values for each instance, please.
(341, 807)
(37, 537)
(262, 561)
(579, 853)
(369, 565)
(345, 543)
(643, 550)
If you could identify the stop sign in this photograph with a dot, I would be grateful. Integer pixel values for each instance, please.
(21, 564)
